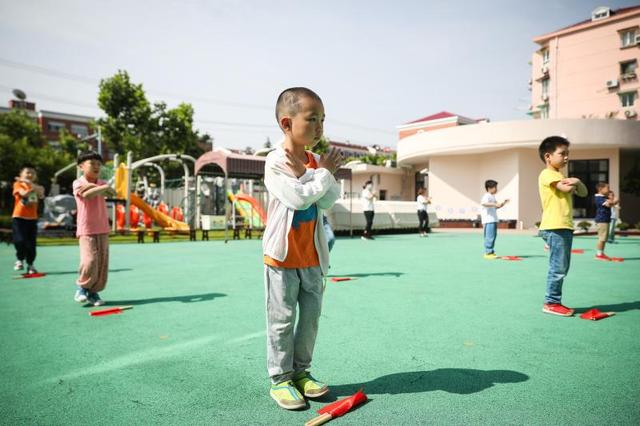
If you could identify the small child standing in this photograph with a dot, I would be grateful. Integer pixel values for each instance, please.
(557, 218)
(296, 256)
(93, 229)
(24, 220)
(603, 218)
(489, 216)
(423, 217)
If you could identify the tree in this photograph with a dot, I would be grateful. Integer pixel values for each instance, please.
(133, 124)
(267, 144)
(249, 151)
(21, 142)
(18, 125)
(322, 147)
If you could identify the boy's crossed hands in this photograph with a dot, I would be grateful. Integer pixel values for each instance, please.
(331, 161)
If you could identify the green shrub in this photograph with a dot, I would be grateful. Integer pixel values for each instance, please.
(584, 225)
(5, 222)
(623, 226)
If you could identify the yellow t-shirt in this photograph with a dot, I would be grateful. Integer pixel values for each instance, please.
(557, 206)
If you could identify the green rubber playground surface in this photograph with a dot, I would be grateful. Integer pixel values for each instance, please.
(434, 333)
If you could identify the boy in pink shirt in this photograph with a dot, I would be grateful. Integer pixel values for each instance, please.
(93, 229)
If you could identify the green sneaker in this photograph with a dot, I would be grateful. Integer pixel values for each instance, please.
(287, 396)
(308, 386)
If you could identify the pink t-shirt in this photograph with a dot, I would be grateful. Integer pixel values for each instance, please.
(92, 212)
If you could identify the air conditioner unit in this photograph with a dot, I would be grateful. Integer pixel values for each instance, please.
(544, 69)
(612, 84)
(630, 113)
(545, 97)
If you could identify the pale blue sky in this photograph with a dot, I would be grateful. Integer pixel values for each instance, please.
(376, 64)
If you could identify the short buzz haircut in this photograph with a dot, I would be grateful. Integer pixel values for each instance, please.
(289, 100)
(601, 185)
(89, 155)
(550, 144)
(490, 183)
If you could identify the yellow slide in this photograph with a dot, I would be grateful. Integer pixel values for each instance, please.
(161, 219)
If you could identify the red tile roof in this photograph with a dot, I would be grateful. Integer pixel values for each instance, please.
(438, 116)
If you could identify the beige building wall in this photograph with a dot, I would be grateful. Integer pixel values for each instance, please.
(529, 168)
(399, 183)
(456, 183)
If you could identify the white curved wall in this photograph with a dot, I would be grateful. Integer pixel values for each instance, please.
(487, 137)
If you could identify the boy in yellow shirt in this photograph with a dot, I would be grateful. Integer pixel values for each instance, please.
(556, 225)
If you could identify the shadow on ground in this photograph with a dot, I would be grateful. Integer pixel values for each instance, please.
(461, 381)
(184, 299)
(619, 307)
(75, 272)
(372, 274)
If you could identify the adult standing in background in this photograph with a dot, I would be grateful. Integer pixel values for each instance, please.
(368, 198)
(423, 216)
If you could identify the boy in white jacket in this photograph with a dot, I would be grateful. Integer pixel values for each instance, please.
(296, 255)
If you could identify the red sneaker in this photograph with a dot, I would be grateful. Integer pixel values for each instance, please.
(557, 309)
(603, 257)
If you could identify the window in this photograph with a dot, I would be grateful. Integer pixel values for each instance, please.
(590, 172)
(600, 13)
(545, 56)
(545, 87)
(383, 194)
(55, 126)
(421, 180)
(80, 130)
(628, 67)
(628, 37)
(627, 99)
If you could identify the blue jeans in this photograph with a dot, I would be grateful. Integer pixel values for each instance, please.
(559, 242)
(331, 238)
(490, 233)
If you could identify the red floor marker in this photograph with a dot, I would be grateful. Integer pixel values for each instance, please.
(339, 279)
(26, 276)
(596, 314)
(577, 251)
(338, 408)
(511, 258)
(617, 259)
(110, 311)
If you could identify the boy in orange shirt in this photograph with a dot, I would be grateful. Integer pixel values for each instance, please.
(296, 254)
(24, 221)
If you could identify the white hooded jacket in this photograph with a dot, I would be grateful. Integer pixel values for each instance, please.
(287, 193)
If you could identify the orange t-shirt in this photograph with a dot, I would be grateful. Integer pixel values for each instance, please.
(24, 207)
(301, 251)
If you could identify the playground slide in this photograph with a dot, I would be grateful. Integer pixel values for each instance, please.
(160, 218)
(249, 207)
